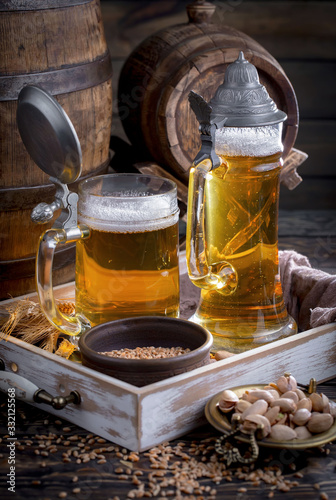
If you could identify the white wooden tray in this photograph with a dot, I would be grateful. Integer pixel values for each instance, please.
(140, 418)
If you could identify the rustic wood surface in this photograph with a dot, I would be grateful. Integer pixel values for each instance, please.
(42, 470)
(46, 473)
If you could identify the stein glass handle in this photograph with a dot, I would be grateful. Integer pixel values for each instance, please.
(44, 264)
(199, 270)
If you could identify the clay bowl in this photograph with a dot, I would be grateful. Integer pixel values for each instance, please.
(157, 331)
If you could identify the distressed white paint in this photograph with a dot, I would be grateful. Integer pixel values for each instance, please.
(139, 418)
(108, 407)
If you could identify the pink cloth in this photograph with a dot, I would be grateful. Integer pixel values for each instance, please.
(309, 294)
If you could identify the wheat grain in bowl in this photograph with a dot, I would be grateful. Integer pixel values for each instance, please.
(149, 352)
(189, 342)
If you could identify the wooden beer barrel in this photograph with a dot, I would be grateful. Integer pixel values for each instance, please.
(60, 46)
(158, 75)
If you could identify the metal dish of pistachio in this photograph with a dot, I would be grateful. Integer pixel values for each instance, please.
(276, 415)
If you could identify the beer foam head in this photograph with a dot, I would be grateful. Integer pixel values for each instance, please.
(249, 141)
(127, 202)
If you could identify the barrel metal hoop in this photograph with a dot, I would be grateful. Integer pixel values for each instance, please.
(60, 81)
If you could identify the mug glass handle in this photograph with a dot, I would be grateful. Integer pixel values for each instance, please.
(44, 264)
(199, 270)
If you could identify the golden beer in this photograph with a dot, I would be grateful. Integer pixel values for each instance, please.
(128, 265)
(241, 213)
(232, 244)
(124, 274)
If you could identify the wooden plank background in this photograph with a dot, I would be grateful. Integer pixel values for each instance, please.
(300, 34)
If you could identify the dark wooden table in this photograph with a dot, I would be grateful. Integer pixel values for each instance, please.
(56, 459)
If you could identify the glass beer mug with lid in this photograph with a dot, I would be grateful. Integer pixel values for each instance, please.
(125, 227)
(232, 240)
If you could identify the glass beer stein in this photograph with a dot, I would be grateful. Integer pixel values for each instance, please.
(232, 240)
(126, 252)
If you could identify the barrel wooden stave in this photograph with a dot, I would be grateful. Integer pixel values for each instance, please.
(59, 46)
(50, 38)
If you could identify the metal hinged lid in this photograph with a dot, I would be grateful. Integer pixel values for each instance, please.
(242, 99)
(48, 134)
(52, 142)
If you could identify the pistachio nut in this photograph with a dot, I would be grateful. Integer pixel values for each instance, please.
(275, 394)
(242, 405)
(325, 400)
(318, 401)
(227, 401)
(223, 355)
(273, 386)
(320, 422)
(281, 432)
(259, 407)
(305, 403)
(291, 395)
(257, 422)
(286, 383)
(253, 395)
(302, 432)
(300, 393)
(286, 404)
(301, 416)
(273, 415)
(330, 408)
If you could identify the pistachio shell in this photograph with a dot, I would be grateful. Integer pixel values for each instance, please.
(317, 401)
(229, 395)
(325, 400)
(320, 422)
(301, 416)
(259, 407)
(305, 403)
(286, 383)
(253, 422)
(273, 414)
(330, 408)
(291, 395)
(223, 355)
(302, 432)
(286, 404)
(273, 386)
(255, 394)
(300, 393)
(275, 394)
(228, 400)
(284, 419)
(282, 433)
(242, 405)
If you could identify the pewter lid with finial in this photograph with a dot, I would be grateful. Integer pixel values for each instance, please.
(243, 100)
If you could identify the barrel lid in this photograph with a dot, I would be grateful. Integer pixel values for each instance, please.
(48, 134)
(242, 99)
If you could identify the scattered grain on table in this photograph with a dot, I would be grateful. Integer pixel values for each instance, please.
(179, 469)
